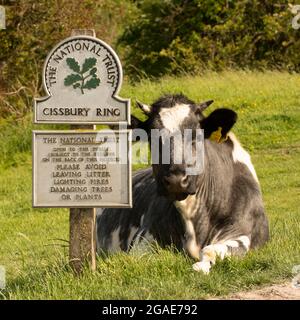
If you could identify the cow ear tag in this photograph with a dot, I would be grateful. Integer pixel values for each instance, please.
(217, 136)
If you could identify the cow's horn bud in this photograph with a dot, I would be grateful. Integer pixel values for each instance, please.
(205, 104)
(144, 107)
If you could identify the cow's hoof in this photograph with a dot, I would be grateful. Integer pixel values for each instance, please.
(203, 266)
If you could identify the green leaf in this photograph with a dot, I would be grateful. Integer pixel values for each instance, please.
(92, 83)
(88, 64)
(76, 85)
(93, 71)
(73, 64)
(72, 78)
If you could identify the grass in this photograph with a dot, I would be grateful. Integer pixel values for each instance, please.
(33, 242)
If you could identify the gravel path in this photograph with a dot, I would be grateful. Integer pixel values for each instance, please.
(275, 292)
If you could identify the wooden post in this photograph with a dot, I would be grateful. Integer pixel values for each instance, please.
(82, 220)
(82, 238)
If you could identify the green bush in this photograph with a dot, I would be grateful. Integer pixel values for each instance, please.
(179, 36)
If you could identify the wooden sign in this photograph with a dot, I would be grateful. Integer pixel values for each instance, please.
(82, 76)
(86, 169)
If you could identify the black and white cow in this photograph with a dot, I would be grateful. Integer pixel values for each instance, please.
(216, 213)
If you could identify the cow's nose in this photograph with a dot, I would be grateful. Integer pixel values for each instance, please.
(176, 183)
(184, 182)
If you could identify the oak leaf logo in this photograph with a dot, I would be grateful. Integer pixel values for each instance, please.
(84, 77)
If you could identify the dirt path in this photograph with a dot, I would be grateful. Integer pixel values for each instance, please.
(275, 292)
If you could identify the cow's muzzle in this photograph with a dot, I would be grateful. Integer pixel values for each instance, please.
(176, 187)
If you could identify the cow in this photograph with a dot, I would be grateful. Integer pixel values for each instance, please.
(214, 214)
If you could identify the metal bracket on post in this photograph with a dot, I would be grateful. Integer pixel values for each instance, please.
(82, 220)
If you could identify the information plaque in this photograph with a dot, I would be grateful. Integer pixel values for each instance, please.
(82, 168)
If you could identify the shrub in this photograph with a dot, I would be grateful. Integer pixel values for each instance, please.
(179, 36)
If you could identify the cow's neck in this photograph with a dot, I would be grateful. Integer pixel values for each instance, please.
(216, 175)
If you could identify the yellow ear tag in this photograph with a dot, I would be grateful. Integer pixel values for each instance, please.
(217, 136)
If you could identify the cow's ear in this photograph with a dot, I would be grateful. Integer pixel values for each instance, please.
(137, 123)
(218, 124)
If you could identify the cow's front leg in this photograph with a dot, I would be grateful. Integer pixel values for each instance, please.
(222, 249)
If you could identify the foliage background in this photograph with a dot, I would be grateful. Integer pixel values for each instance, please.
(153, 38)
(32, 30)
(194, 35)
(165, 46)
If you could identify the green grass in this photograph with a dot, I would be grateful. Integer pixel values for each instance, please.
(33, 241)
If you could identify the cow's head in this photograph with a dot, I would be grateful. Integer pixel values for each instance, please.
(175, 113)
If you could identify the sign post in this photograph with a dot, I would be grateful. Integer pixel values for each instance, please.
(82, 168)
(82, 232)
